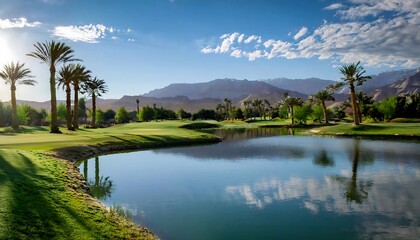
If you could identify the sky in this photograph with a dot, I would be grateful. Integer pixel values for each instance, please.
(140, 45)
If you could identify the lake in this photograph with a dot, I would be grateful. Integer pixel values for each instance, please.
(267, 184)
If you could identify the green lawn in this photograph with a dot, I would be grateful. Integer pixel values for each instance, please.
(41, 195)
(384, 129)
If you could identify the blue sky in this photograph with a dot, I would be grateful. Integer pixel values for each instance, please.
(137, 46)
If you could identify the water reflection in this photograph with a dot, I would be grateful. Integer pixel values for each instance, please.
(270, 188)
(323, 159)
(247, 133)
(100, 187)
(392, 196)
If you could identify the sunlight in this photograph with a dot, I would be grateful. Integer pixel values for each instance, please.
(6, 54)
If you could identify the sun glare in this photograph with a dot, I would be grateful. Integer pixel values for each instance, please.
(6, 54)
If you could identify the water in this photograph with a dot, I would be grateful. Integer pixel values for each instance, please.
(270, 186)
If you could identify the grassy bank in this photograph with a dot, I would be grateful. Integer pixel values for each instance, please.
(382, 129)
(43, 196)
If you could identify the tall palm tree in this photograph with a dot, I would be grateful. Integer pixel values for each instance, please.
(291, 102)
(53, 53)
(267, 108)
(16, 74)
(94, 87)
(354, 74)
(258, 103)
(65, 78)
(247, 104)
(228, 106)
(220, 109)
(81, 75)
(321, 97)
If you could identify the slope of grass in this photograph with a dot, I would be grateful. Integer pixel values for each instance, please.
(42, 196)
(385, 129)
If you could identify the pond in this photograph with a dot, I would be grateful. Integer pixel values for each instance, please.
(266, 184)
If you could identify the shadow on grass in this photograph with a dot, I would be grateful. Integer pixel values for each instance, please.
(367, 127)
(23, 129)
(32, 205)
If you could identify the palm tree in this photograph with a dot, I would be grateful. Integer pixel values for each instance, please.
(321, 97)
(220, 109)
(353, 74)
(16, 74)
(267, 108)
(53, 53)
(228, 106)
(258, 104)
(94, 87)
(65, 77)
(81, 75)
(291, 102)
(247, 104)
(72, 74)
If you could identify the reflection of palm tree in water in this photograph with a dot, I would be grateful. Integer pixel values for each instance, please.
(101, 187)
(356, 190)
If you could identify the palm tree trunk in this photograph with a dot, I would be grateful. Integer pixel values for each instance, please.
(96, 171)
(93, 111)
(85, 170)
(324, 110)
(292, 115)
(354, 105)
(15, 123)
(68, 107)
(54, 122)
(359, 113)
(76, 108)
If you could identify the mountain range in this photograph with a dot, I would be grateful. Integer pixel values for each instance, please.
(194, 96)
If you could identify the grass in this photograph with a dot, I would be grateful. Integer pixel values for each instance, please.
(400, 129)
(43, 196)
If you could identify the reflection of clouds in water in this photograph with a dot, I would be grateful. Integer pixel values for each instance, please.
(391, 196)
(131, 209)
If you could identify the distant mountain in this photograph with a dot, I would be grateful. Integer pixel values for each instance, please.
(386, 78)
(37, 105)
(409, 85)
(195, 96)
(221, 89)
(174, 103)
(307, 86)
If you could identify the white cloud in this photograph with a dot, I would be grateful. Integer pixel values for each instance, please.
(374, 8)
(17, 23)
(301, 33)
(241, 38)
(334, 6)
(131, 40)
(252, 38)
(86, 33)
(385, 40)
(236, 53)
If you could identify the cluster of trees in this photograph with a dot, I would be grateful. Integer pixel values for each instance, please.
(69, 75)
(299, 110)
(25, 115)
(148, 113)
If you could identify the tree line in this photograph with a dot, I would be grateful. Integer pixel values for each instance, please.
(71, 77)
(299, 111)
(76, 78)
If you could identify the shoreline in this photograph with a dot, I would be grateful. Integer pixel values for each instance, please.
(70, 148)
(74, 154)
(46, 164)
